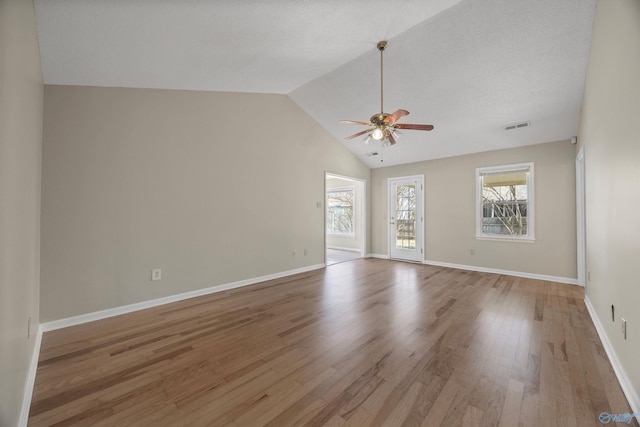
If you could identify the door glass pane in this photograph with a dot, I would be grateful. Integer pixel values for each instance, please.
(406, 216)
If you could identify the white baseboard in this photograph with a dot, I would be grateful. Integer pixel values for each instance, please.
(31, 380)
(343, 248)
(626, 385)
(558, 279)
(103, 314)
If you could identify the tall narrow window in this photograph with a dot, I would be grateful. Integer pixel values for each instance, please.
(504, 205)
(340, 210)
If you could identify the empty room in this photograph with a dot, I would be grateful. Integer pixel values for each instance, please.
(295, 213)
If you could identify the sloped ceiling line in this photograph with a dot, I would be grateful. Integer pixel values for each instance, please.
(467, 67)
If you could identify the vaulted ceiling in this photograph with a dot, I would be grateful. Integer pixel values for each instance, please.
(468, 67)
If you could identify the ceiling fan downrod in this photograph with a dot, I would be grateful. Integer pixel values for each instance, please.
(381, 45)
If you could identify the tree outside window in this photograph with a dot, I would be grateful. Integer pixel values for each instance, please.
(505, 202)
(340, 211)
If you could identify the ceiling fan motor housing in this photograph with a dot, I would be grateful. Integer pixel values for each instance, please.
(379, 119)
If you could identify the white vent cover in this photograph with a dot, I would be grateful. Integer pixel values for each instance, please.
(517, 125)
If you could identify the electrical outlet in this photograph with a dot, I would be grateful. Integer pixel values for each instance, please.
(624, 328)
(156, 274)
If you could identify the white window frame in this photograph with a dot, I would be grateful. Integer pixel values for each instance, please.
(530, 236)
(351, 188)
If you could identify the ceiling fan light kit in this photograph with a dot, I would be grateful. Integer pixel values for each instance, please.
(383, 126)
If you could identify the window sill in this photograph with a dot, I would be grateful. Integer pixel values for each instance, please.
(507, 239)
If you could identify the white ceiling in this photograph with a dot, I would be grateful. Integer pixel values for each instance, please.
(468, 67)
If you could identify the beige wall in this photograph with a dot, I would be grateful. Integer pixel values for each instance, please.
(210, 187)
(20, 150)
(450, 211)
(609, 133)
(348, 242)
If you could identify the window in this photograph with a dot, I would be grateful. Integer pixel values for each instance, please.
(405, 216)
(340, 211)
(504, 202)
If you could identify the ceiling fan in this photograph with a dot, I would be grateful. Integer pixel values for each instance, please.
(383, 126)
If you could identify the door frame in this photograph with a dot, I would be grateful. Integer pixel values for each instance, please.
(581, 232)
(420, 224)
(361, 219)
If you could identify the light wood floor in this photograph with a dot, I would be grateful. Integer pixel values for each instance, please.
(367, 342)
(334, 256)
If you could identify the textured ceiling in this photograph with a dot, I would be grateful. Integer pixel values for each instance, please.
(467, 67)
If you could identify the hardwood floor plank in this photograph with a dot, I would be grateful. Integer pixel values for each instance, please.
(440, 408)
(401, 411)
(363, 343)
(295, 408)
(512, 404)
(46, 404)
(472, 417)
(424, 402)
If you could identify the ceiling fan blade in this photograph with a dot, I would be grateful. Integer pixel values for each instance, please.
(355, 122)
(392, 140)
(414, 127)
(355, 135)
(395, 116)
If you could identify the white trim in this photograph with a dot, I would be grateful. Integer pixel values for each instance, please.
(342, 248)
(341, 189)
(559, 279)
(344, 177)
(625, 383)
(531, 218)
(351, 188)
(31, 379)
(567, 280)
(580, 219)
(420, 223)
(362, 204)
(111, 312)
(516, 239)
(379, 256)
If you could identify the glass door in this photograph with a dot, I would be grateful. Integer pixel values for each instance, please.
(406, 218)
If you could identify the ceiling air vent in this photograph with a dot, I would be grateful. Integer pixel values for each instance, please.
(517, 125)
